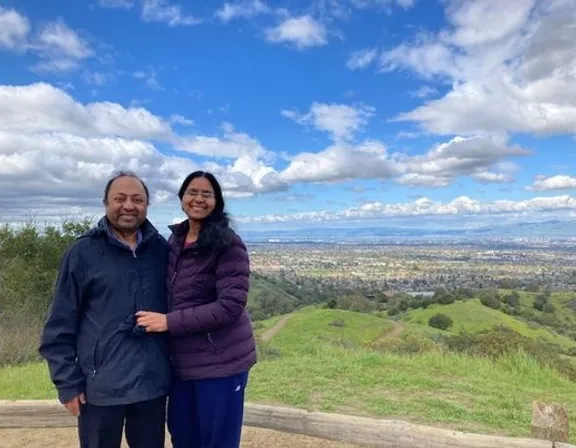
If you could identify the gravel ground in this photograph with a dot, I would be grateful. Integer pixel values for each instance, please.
(66, 438)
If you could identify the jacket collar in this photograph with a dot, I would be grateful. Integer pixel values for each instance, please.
(180, 229)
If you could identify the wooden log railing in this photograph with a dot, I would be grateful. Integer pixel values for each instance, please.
(359, 431)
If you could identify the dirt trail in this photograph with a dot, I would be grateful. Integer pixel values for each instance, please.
(397, 329)
(66, 438)
(271, 332)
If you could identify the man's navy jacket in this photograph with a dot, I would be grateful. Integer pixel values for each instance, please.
(90, 339)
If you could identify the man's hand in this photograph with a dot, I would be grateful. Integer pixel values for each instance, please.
(73, 405)
(152, 322)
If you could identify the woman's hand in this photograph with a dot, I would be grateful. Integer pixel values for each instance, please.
(152, 322)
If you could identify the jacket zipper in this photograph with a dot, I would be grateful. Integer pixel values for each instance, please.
(94, 358)
(209, 337)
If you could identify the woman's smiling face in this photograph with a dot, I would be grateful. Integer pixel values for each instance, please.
(199, 201)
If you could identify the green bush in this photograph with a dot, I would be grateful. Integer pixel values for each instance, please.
(501, 341)
(549, 308)
(446, 299)
(338, 323)
(267, 352)
(441, 321)
(408, 343)
(512, 299)
(29, 261)
(491, 301)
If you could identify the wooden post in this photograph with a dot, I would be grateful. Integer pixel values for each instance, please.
(549, 422)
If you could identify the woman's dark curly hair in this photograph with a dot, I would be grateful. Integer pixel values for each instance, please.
(215, 230)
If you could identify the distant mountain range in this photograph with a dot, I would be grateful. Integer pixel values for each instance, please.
(555, 229)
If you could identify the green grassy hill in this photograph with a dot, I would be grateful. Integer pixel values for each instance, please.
(318, 361)
(313, 328)
(472, 316)
(321, 367)
(259, 285)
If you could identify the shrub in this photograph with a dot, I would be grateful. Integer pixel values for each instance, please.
(257, 325)
(446, 299)
(267, 352)
(19, 336)
(441, 321)
(549, 308)
(338, 323)
(356, 302)
(332, 304)
(491, 301)
(500, 341)
(512, 299)
(408, 343)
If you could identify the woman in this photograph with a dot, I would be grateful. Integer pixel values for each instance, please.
(211, 335)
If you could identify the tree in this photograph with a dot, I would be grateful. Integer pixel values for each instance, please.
(512, 299)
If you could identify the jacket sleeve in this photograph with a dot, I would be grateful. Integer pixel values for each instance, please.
(58, 339)
(232, 282)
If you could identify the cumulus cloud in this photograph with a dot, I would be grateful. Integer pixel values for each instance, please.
(341, 121)
(369, 160)
(461, 206)
(56, 153)
(14, 29)
(301, 32)
(516, 75)
(558, 182)
(41, 107)
(59, 48)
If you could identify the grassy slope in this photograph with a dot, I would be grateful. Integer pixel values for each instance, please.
(259, 285)
(473, 316)
(316, 372)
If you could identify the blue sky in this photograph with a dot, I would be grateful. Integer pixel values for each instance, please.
(318, 111)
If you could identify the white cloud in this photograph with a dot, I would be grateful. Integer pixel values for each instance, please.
(181, 120)
(382, 3)
(474, 156)
(558, 182)
(362, 58)
(59, 48)
(368, 160)
(56, 153)
(231, 144)
(163, 11)
(461, 206)
(301, 32)
(424, 92)
(341, 121)
(516, 75)
(97, 78)
(43, 108)
(120, 4)
(150, 78)
(241, 10)
(14, 29)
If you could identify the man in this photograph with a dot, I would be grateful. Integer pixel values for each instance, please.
(106, 369)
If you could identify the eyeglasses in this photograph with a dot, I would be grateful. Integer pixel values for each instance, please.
(204, 194)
